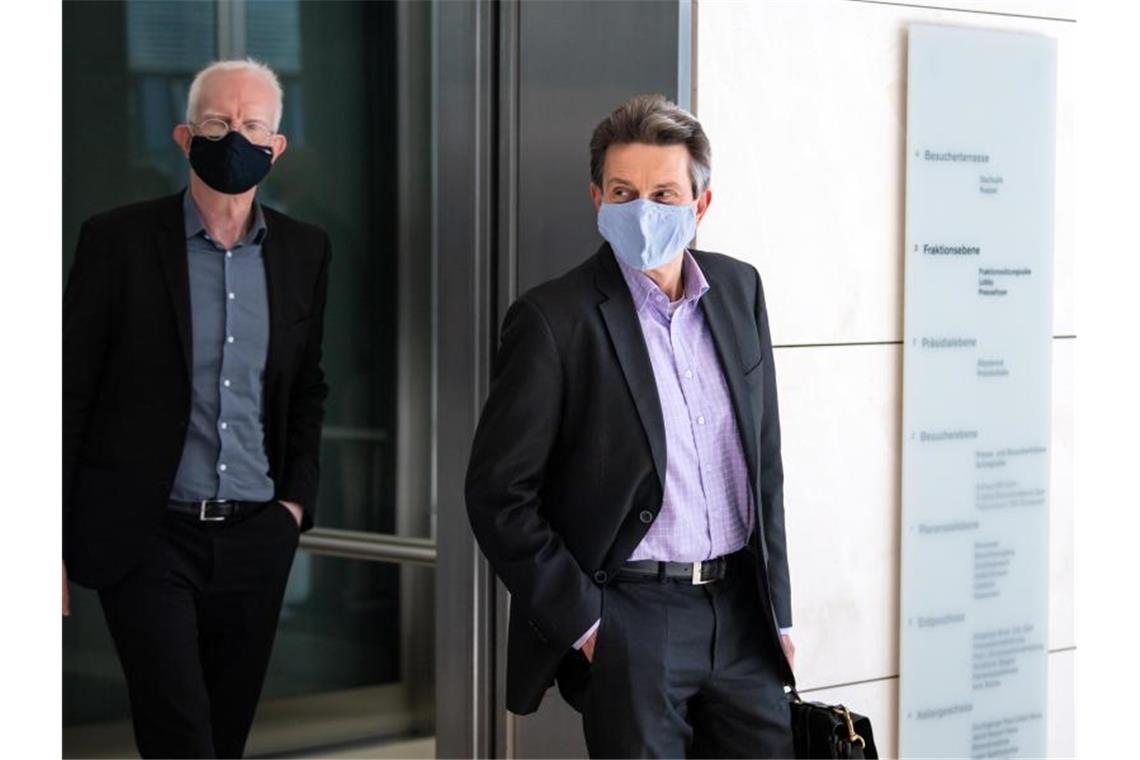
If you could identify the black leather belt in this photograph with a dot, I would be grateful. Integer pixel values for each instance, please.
(697, 573)
(215, 510)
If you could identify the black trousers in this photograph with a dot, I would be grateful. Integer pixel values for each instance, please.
(686, 671)
(193, 625)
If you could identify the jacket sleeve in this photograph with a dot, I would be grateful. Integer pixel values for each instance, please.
(87, 302)
(513, 443)
(307, 409)
(772, 474)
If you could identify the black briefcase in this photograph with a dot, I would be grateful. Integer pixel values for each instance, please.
(829, 731)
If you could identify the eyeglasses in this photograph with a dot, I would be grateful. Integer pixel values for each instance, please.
(215, 129)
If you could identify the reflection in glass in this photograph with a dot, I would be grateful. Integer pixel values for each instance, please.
(354, 657)
(353, 663)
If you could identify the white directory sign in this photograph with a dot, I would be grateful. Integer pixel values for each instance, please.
(976, 393)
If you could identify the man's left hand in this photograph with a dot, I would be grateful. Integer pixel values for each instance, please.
(789, 649)
(294, 509)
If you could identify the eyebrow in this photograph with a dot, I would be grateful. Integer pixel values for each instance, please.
(222, 117)
(659, 186)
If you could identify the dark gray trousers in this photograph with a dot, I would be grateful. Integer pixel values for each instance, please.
(686, 671)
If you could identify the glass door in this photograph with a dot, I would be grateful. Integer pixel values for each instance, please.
(354, 662)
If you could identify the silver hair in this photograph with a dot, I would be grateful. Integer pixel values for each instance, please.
(246, 64)
(653, 120)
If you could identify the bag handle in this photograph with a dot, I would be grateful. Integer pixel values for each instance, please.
(846, 715)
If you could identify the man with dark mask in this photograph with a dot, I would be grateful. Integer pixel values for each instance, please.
(193, 398)
(625, 479)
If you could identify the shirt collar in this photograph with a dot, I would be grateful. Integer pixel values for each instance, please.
(645, 291)
(194, 225)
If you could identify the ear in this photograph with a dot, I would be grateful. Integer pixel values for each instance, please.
(703, 203)
(278, 145)
(596, 196)
(182, 137)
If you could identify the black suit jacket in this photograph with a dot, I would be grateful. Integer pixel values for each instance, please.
(570, 449)
(126, 376)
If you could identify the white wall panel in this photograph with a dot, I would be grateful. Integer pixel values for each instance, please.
(1060, 737)
(840, 416)
(805, 106)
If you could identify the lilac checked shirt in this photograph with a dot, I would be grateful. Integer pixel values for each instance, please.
(705, 510)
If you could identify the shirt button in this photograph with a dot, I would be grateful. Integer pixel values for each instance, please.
(229, 339)
(689, 374)
(232, 296)
(224, 426)
(601, 576)
(221, 468)
(700, 420)
(229, 254)
(646, 516)
(226, 383)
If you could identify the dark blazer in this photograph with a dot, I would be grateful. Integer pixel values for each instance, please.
(126, 376)
(570, 452)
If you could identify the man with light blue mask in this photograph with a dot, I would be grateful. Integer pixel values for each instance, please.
(625, 480)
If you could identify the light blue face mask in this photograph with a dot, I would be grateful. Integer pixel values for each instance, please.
(645, 234)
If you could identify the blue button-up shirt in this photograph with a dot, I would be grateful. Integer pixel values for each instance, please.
(224, 455)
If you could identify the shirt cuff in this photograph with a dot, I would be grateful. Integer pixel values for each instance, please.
(786, 631)
(585, 636)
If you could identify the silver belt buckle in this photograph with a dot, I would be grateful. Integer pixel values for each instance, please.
(202, 510)
(697, 579)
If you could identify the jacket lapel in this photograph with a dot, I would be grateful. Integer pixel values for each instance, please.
(170, 240)
(625, 332)
(728, 351)
(275, 256)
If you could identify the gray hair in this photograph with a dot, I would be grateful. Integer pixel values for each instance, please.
(653, 120)
(247, 64)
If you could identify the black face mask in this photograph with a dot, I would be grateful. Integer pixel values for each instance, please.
(231, 165)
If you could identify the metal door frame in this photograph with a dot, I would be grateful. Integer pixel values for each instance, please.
(465, 82)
